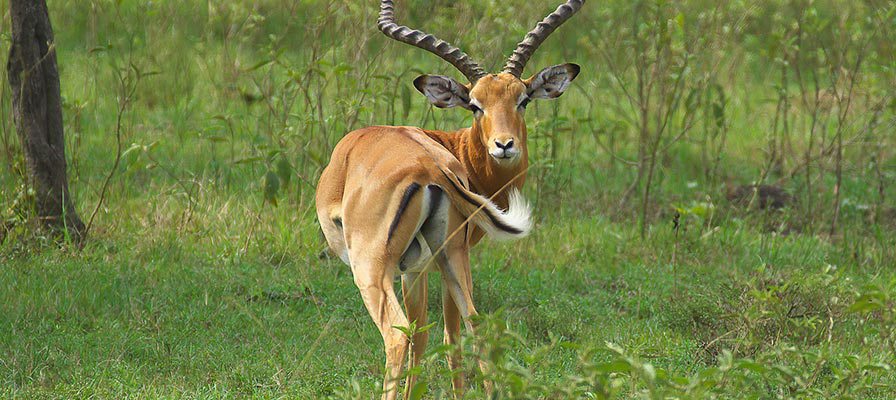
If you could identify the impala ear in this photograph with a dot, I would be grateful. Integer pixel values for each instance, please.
(551, 82)
(442, 91)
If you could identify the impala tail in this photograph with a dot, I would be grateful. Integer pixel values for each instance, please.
(513, 223)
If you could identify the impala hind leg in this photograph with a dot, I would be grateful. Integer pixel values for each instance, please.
(374, 281)
(414, 291)
(331, 227)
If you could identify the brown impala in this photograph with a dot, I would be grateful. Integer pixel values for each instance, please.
(392, 197)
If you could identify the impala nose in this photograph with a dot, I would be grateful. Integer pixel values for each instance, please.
(504, 146)
(504, 150)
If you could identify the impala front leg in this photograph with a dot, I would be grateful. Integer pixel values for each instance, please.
(459, 284)
(414, 291)
(452, 338)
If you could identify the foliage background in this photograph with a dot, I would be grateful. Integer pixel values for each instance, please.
(203, 277)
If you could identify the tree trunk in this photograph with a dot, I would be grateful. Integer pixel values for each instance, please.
(37, 112)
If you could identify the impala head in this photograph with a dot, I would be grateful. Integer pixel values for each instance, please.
(497, 101)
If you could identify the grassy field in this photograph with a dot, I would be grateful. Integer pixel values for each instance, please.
(651, 273)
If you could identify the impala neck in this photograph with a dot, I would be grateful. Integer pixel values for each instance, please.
(485, 174)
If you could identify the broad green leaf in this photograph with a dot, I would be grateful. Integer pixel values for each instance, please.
(271, 187)
(419, 390)
(284, 171)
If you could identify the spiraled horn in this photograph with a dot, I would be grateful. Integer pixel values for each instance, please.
(457, 58)
(536, 36)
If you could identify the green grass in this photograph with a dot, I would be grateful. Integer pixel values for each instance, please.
(193, 286)
(160, 316)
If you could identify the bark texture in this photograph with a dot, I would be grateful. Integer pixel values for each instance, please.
(37, 112)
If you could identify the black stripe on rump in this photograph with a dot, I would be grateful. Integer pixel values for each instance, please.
(408, 193)
(435, 198)
(495, 221)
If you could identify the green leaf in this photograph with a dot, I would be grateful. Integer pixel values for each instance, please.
(718, 113)
(864, 304)
(406, 100)
(692, 100)
(134, 147)
(217, 139)
(616, 366)
(418, 391)
(406, 330)
(248, 160)
(258, 65)
(271, 187)
(752, 366)
(100, 49)
(615, 348)
(284, 171)
(342, 69)
(426, 327)
(785, 371)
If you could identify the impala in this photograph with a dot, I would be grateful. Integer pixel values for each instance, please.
(393, 198)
